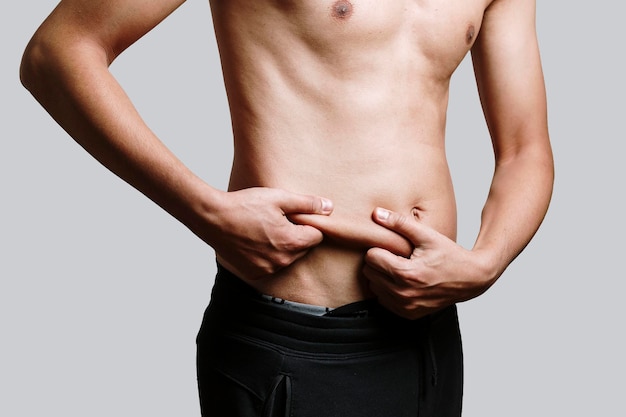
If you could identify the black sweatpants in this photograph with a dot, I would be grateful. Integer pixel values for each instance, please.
(258, 359)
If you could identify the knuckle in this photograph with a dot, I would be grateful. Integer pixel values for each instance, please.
(265, 268)
(413, 275)
(399, 220)
(270, 268)
(405, 295)
(289, 246)
(407, 274)
(282, 261)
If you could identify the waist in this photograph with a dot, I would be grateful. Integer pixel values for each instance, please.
(237, 307)
(330, 274)
(358, 174)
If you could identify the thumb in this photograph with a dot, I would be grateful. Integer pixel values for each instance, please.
(308, 236)
(293, 203)
(413, 230)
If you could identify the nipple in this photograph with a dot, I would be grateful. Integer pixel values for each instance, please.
(469, 35)
(342, 9)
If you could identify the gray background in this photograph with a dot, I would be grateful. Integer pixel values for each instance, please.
(101, 292)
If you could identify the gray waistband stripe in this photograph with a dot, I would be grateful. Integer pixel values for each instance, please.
(310, 309)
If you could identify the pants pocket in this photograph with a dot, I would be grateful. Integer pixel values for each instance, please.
(238, 377)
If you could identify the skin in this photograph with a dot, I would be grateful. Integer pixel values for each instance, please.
(340, 188)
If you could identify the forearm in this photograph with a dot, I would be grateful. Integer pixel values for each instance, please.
(517, 203)
(74, 85)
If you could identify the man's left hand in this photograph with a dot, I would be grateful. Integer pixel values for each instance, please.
(438, 273)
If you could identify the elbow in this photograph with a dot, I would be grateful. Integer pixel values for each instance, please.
(51, 60)
(35, 65)
(28, 66)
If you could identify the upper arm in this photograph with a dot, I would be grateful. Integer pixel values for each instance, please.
(109, 25)
(509, 77)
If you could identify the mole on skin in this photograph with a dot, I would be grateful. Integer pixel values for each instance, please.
(469, 36)
(342, 9)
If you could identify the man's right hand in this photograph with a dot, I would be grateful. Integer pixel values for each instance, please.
(253, 237)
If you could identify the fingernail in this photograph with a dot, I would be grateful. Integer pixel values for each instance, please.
(382, 214)
(327, 205)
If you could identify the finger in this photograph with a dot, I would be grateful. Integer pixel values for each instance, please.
(406, 226)
(397, 268)
(391, 293)
(376, 277)
(306, 204)
(354, 232)
(388, 298)
(380, 260)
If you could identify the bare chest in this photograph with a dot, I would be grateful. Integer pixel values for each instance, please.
(439, 30)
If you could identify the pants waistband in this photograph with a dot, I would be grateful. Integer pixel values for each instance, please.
(237, 307)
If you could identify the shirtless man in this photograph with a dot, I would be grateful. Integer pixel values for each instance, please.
(340, 193)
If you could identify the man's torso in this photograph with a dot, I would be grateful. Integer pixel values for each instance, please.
(345, 100)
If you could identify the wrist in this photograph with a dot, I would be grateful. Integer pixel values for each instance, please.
(199, 209)
(488, 265)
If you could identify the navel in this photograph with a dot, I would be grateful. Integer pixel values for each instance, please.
(469, 35)
(342, 9)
